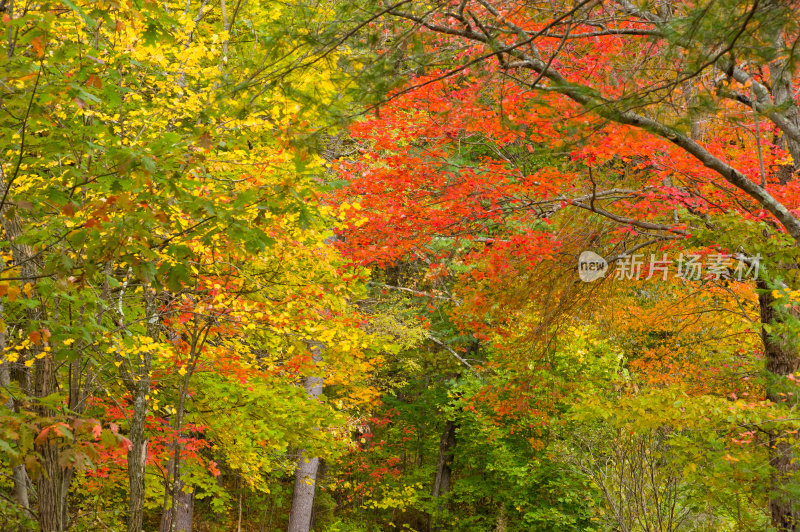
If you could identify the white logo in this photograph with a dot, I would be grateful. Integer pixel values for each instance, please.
(591, 266)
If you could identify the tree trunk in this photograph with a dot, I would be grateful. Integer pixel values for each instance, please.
(21, 480)
(18, 473)
(781, 350)
(53, 483)
(305, 478)
(780, 73)
(174, 501)
(501, 525)
(184, 510)
(178, 510)
(138, 385)
(781, 360)
(441, 484)
(54, 480)
(447, 444)
(53, 489)
(239, 520)
(137, 456)
(21, 255)
(305, 481)
(178, 504)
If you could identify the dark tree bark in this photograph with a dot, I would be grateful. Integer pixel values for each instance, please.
(444, 470)
(55, 478)
(12, 229)
(781, 359)
(447, 447)
(18, 473)
(53, 483)
(179, 505)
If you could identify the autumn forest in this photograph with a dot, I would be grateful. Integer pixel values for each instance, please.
(378, 265)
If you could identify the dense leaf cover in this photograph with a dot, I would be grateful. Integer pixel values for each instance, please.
(247, 241)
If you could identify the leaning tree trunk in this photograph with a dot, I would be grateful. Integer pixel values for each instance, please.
(781, 360)
(305, 478)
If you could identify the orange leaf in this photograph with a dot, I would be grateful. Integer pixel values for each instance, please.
(13, 292)
(38, 47)
(94, 81)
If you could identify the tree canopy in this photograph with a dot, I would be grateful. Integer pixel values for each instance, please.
(358, 266)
